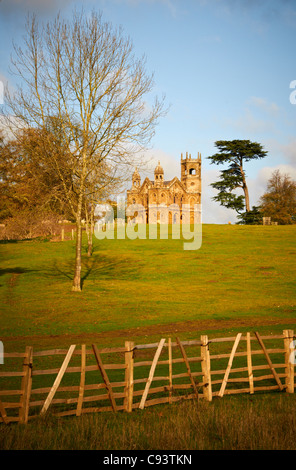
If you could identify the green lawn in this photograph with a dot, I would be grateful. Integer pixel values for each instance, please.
(241, 279)
(239, 274)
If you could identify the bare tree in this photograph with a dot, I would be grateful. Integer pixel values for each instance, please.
(84, 73)
(97, 191)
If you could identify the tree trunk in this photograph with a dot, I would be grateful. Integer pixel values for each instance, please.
(89, 240)
(88, 234)
(247, 199)
(76, 287)
(245, 188)
(90, 229)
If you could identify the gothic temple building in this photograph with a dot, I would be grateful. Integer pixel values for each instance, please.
(163, 201)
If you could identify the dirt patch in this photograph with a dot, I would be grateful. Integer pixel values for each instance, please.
(156, 330)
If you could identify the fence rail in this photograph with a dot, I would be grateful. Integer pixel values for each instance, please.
(82, 380)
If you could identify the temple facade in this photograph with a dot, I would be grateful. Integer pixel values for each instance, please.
(163, 201)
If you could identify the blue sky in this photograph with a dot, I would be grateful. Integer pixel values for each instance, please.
(225, 67)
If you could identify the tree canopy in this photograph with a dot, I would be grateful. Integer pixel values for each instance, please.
(252, 217)
(82, 84)
(234, 153)
(279, 201)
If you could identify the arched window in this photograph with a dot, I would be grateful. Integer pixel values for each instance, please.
(192, 202)
(192, 171)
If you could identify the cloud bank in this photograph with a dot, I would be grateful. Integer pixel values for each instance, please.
(43, 7)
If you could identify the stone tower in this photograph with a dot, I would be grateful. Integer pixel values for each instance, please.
(136, 180)
(191, 173)
(158, 176)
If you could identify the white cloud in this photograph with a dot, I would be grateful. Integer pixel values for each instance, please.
(265, 173)
(212, 211)
(259, 116)
(170, 4)
(284, 151)
(170, 164)
(264, 105)
(289, 151)
(250, 124)
(258, 185)
(14, 7)
(6, 83)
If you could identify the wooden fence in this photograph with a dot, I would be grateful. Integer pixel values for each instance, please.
(82, 380)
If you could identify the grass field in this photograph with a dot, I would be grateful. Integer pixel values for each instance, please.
(264, 422)
(241, 276)
(241, 279)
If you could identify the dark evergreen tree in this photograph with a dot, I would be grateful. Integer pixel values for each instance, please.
(234, 153)
(252, 217)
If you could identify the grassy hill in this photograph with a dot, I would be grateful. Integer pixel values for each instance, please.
(241, 276)
(240, 279)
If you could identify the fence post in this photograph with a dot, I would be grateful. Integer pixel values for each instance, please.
(185, 359)
(170, 370)
(3, 413)
(104, 374)
(249, 362)
(289, 359)
(206, 368)
(265, 352)
(26, 385)
(151, 373)
(82, 381)
(129, 376)
(58, 379)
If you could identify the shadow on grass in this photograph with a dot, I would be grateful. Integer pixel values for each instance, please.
(16, 270)
(24, 240)
(14, 274)
(96, 267)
